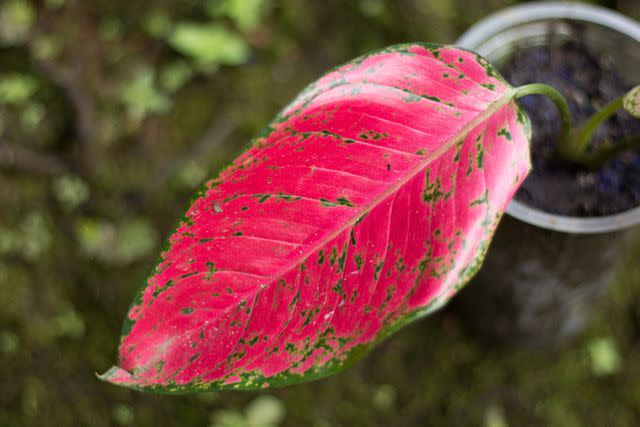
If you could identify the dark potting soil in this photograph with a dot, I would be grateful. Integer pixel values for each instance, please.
(588, 81)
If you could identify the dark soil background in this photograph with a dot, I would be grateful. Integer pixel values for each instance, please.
(589, 81)
(112, 113)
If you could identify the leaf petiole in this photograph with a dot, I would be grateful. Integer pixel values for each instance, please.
(582, 135)
(573, 142)
(563, 108)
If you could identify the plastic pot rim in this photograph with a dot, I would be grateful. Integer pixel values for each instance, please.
(514, 16)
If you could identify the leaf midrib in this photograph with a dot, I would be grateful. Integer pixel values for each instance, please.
(482, 117)
(358, 212)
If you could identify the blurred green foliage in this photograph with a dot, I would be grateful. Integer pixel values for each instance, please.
(263, 411)
(16, 18)
(174, 75)
(116, 243)
(17, 88)
(245, 13)
(605, 359)
(112, 112)
(142, 97)
(209, 44)
(70, 191)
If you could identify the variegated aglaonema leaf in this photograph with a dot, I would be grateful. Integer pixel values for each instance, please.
(366, 204)
(631, 102)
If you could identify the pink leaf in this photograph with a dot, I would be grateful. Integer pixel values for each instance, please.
(366, 204)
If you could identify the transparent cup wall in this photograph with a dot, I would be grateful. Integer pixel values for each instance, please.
(544, 274)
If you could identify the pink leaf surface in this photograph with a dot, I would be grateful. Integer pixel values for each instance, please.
(366, 204)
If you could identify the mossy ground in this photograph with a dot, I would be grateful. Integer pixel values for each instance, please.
(107, 124)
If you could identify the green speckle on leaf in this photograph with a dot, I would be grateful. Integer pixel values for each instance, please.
(433, 191)
(359, 220)
(504, 132)
(342, 258)
(345, 202)
(479, 156)
(376, 269)
(341, 201)
(333, 256)
(482, 200)
(338, 287)
(358, 260)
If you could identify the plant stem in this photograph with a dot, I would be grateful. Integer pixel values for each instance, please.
(583, 134)
(573, 143)
(562, 106)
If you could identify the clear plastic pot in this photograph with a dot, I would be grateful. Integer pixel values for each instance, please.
(544, 273)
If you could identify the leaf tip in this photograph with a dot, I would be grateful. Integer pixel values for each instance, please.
(631, 102)
(117, 376)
